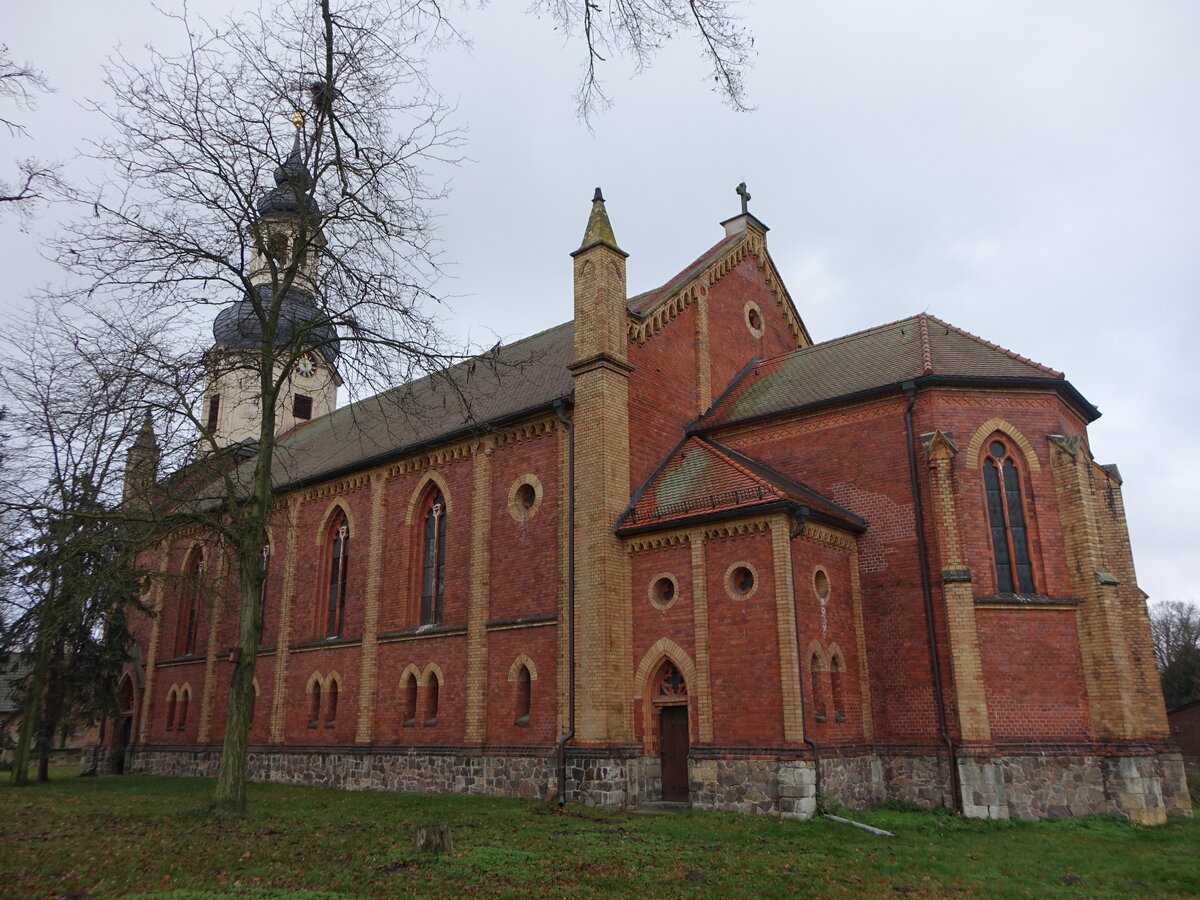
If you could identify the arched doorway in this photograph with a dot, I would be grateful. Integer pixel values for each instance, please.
(671, 701)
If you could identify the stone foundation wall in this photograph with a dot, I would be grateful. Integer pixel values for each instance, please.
(1147, 788)
(593, 782)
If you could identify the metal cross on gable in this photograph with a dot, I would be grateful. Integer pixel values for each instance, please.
(745, 195)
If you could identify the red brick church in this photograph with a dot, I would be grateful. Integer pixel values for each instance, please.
(675, 550)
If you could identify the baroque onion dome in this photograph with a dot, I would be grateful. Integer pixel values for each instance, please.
(300, 317)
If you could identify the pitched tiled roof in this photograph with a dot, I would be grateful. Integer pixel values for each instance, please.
(913, 348)
(640, 304)
(703, 479)
(498, 385)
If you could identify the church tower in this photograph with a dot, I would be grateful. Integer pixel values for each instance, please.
(286, 241)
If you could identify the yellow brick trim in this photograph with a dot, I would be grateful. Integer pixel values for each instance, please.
(860, 641)
(439, 458)
(412, 671)
(283, 641)
(966, 657)
(432, 670)
(157, 599)
(418, 494)
(210, 662)
(815, 650)
(669, 307)
(661, 650)
(657, 541)
(475, 724)
(564, 560)
(786, 630)
(334, 488)
(991, 426)
(320, 537)
(704, 396)
(522, 660)
(703, 691)
(368, 669)
(830, 537)
(743, 528)
(516, 508)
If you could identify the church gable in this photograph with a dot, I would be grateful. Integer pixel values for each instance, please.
(705, 480)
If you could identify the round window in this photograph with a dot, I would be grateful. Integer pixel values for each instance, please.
(741, 581)
(663, 591)
(525, 497)
(821, 584)
(754, 318)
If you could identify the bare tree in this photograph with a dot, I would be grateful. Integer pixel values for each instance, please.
(20, 85)
(638, 29)
(309, 240)
(1175, 627)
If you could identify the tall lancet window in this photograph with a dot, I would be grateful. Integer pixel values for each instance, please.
(193, 590)
(433, 560)
(1006, 520)
(339, 559)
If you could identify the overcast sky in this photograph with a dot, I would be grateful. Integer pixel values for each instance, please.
(1028, 171)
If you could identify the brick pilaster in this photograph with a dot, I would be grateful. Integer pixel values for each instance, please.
(965, 658)
(860, 639)
(1101, 627)
(369, 672)
(158, 604)
(785, 629)
(218, 594)
(701, 692)
(475, 731)
(284, 640)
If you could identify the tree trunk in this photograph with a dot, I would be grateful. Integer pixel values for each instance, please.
(230, 792)
(31, 707)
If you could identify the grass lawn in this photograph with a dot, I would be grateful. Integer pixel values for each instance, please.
(140, 836)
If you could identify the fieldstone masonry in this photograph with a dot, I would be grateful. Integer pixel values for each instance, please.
(1148, 789)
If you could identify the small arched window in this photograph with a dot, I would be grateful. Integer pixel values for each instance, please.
(172, 704)
(185, 695)
(331, 703)
(339, 560)
(193, 589)
(314, 706)
(837, 687)
(409, 690)
(524, 696)
(1006, 520)
(816, 674)
(431, 700)
(433, 560)
(253, 702)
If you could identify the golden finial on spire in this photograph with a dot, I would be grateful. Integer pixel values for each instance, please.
(298, 119)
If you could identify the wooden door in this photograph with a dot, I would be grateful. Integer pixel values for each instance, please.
(673, 734)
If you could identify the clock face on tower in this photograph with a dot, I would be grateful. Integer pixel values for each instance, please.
(306, 366)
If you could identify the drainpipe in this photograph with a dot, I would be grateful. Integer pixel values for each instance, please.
(799, 515)
(570, 734)
(910, 391)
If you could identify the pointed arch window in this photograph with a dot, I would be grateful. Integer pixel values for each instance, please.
(185, 696)
(331, 703)
(815, 672)
(193, 588)
(433, 560)
(1006, 520)
(524, 695)
(409, 690)
(314, 706)
(172, 707)
(339, 559)
(432, 690)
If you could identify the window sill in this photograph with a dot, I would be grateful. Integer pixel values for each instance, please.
(1035, 601)
(429, 723)
(839, 716)
(821, 717)
(522, 722)
(410, 723)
